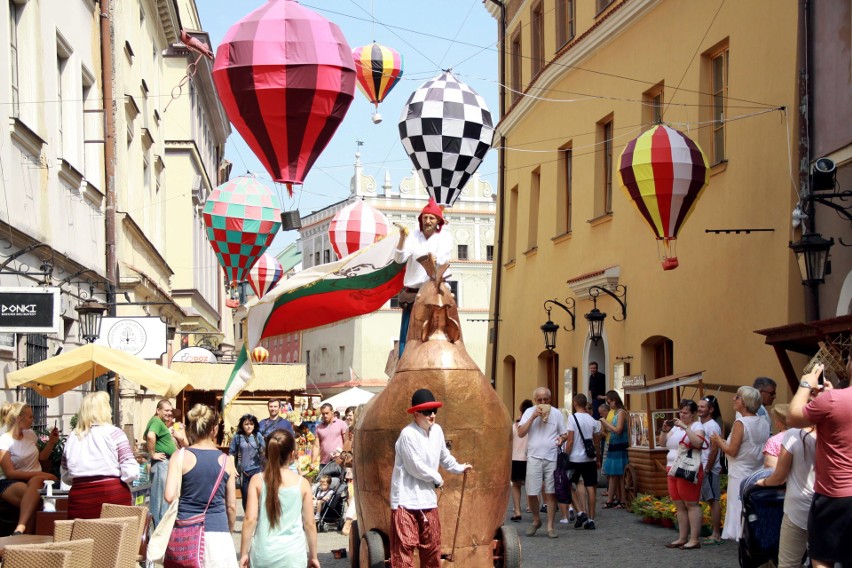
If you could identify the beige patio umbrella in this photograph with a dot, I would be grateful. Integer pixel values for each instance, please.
(56, 375)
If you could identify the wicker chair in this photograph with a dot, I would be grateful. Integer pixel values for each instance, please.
(81, 550)
(34, 558)
(114, 539)
(110, 511)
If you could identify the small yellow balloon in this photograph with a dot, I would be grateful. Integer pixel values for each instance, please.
(259, 354)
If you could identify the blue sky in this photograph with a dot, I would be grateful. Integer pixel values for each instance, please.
(432, 35)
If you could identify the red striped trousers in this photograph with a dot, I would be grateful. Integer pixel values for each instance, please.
(415, 529)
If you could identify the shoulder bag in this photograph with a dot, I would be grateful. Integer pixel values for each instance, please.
(159, 540)
(186, 543)
(589, 445)
(687, 462)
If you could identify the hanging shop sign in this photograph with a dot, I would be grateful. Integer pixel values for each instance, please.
(194, 355)
(29, 310)
(142, 336)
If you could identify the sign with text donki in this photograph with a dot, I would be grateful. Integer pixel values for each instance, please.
(29, 310)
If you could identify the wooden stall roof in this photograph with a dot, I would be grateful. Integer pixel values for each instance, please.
(267, 377)
(666, 383)
(803, 338)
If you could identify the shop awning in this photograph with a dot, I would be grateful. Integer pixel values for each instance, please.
(666, 383)
(806, 338)
(268, 377)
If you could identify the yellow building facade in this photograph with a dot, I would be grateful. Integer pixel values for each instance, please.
(582, 80)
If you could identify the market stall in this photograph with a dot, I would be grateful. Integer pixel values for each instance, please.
(646, 469)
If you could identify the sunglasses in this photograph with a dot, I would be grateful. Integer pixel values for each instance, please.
(432, 412)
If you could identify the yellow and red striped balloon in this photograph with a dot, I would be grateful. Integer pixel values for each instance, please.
(664, 173)
(378, 69)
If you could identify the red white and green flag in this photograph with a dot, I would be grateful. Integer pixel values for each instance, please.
(355, 285)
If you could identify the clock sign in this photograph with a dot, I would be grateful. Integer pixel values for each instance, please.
(127, 335)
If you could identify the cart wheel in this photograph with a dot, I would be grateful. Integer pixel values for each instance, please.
(320, 526)
(372, 550)
(354, 545)
(630, 484)
(509, 548)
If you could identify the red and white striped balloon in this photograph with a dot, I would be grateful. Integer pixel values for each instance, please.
(265, 274)
(356, 226)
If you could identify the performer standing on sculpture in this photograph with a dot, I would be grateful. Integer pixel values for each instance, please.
(428, 240)
(420, 448)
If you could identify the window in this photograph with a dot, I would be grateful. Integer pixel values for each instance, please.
(603, 163)
(489, 252)
(601, 5)
(316, 258)
(60, 66)
(532, 227)
(537, 31)
(652, 107)
(564, 22)
(454, 290)
(565, 180)
(516, 67)
(512, 219)
(326, 256)
(37, 352)
(13, 68)
(719, 90)
(462, 249)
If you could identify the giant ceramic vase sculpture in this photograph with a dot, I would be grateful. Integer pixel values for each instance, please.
(477, 428)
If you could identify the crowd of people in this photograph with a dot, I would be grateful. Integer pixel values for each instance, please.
(809, 452)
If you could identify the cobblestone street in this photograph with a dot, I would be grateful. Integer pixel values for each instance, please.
(620, 540)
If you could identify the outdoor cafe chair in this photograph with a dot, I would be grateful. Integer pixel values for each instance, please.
(81, 551)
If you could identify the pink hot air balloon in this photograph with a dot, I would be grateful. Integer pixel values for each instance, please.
(265, 274)
(286, 78)
(356, 226)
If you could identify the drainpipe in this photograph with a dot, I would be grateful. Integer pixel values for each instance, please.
(803, 52)
(107, 73)
(501, 201)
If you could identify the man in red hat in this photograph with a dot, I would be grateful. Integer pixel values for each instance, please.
(420, 448)
(428, 240)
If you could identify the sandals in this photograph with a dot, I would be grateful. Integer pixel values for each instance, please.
(711, 541)
(675, 544)
(614, 504)
(695, 546)
(515, 518)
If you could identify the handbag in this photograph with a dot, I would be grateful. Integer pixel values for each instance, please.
(589, 445)
(687, 462)
(159, 540)
(186, 542)
(562, 477)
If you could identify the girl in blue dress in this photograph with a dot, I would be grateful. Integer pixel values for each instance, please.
(616, 457)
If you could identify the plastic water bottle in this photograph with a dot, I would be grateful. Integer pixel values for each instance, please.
(49, 502)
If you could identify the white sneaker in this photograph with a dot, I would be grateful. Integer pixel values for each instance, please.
(564, 521)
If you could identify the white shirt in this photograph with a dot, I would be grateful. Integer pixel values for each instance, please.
(749, 458)
(542, 435)
(589, 427)
(104, 451)
(676, 434)
(24, 452)
(800, 481)
(415, 469)
(417, 245)
(711, 427)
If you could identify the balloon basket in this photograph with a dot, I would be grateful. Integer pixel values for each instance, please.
(667, 254)
(377, 118)
(291, 220)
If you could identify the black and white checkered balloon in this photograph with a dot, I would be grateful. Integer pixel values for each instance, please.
(446, 130)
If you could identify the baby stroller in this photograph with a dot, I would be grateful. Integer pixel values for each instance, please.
(333, 512)
(763, 509)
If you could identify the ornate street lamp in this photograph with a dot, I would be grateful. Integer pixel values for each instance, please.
(812, 256)
(91, 312)
(549, 329)
(596, 317)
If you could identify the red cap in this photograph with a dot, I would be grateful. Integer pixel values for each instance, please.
(432, 208)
